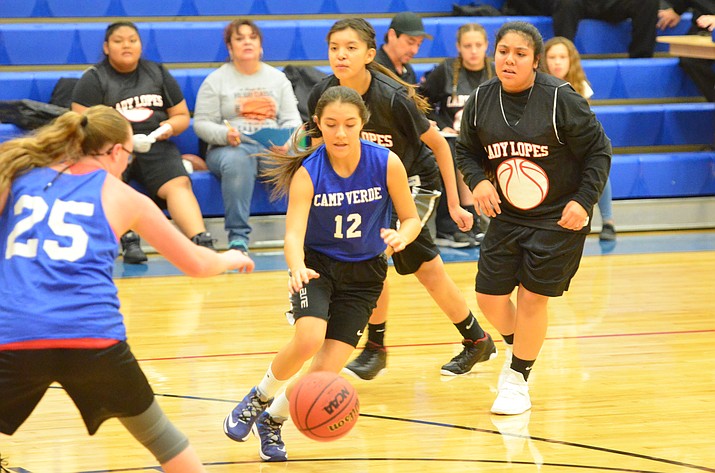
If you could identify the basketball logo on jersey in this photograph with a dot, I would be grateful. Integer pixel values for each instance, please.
(524, 183)
(139, 108)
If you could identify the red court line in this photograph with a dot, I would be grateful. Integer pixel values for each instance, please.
(436, 344)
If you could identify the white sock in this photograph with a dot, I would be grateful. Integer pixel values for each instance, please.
(269, 385)
(280, 408)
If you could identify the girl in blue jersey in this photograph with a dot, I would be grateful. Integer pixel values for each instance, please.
(340, 199)
(63, 207)
(536, 159)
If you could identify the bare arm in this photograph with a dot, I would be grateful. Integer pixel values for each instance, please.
(128, 209)
(404, 205)
(439, 146)
(179, 120)
(300, 196)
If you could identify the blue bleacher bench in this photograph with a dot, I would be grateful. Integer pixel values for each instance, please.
(611, 79)
(284, 40)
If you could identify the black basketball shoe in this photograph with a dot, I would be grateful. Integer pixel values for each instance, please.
(472, 353)
(368, 364)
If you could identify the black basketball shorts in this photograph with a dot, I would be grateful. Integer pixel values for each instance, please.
(543, 261)
(103, 383)
(345, 294)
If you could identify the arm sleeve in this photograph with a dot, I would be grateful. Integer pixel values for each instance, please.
(208, 123)
(88, 91)
(584, 135)
(411, 119)
(288, 114)
(470, 153)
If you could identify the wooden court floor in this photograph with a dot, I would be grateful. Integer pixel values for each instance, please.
(625, 381)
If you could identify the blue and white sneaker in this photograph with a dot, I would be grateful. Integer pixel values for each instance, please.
(268, 430)
(238, 423)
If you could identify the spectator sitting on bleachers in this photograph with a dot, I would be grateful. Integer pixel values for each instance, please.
(238, 99)
(447, 88)
(562, 60)
(149, 97)
(700, 70)
(402, 42)
(566, 15)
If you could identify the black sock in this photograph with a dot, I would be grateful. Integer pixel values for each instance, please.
(508, 339)
(470, 329)
(522, 366)
(376, 333)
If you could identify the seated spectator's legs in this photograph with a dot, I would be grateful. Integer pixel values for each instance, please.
(182, 205)
(565, 15)
(702, 72)
(605, 204)
(237, 169)
(643, 15)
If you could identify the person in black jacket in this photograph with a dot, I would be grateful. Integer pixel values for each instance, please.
(536, 159)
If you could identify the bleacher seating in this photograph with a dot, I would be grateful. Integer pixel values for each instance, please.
(284, 40)
(191, 49)
(612, 79)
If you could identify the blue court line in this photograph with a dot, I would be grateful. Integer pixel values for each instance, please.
(636, 243)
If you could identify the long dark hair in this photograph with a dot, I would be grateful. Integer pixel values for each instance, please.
(366, 33)
(283, 167)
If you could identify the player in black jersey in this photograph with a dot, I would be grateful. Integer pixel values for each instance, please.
(536, 159)
(397, 122)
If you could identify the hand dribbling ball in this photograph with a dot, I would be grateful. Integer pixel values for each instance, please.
(324, 406)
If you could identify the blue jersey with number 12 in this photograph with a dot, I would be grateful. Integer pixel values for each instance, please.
(347, 213)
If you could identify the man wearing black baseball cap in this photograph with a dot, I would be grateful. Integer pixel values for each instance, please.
(402, 42)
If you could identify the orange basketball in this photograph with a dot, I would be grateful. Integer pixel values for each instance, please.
(324, 406)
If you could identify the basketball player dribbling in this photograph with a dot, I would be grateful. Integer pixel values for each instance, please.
(534, 138)
(340, 199)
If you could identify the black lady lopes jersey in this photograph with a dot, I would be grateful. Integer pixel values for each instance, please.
(438, 88)
(554, 152)
(142, 96)
(395, 123)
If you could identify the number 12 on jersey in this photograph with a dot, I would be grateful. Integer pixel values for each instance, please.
(353, 222)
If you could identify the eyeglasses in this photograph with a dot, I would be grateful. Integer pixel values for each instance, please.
(130, 154)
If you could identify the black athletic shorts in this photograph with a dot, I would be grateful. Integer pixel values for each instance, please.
(423, 248)
(345, 294)
(161, 164)
(543, 261)
(103, 383)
